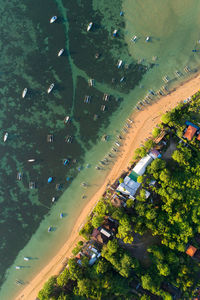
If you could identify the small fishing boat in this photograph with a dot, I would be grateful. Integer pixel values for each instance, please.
(50, 138)
(50, 179)
(50, 229)
(5, 137)
(147, 39)
(31, 185)
(122, 79)
(87, 99)
(53, 199)
(134, 38)
(18, 267)
(53, 19)
(66, 119)
(50, 88)
(115, 32)
(119, 63)
(19, 282)
(84, 184)
(89, 26)
(68, 139)
(61, 215)
(19, 176)
(121, 13)
(166, 79)
(24, 92)
(178, 73)
(65, 162)
(31, 160)
(106, 97)
(26, 258)
(103, 107)
(117, 144)
(61, 52)
(91, 82)
(187, 69)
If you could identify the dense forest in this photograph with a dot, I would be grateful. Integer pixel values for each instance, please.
(145, 257)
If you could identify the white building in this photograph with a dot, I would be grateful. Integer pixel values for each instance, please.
(140, 167)
(128, 187)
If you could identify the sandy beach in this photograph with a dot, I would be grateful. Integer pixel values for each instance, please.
(144, 122)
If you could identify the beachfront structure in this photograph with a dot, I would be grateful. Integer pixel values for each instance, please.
(140, 167)
(89, 250)
(128, 187)
(118, 201)
(155, 154)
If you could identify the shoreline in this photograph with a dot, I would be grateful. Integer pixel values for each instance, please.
(143, 123)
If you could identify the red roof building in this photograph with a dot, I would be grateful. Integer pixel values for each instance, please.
(191, 250)
(190, 132)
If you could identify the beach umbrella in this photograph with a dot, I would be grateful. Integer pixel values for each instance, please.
(50, 179)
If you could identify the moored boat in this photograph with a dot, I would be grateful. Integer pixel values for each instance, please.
(66, 119)
(26, 258)
(66, 161)
(19, 176)
(134, 38)
(61, 215)
(18, 267)
(89, 26)
(50, 88)
(147, 39)
(61, 52)
(24, 92)
(119, 63)
(53, 19)
(50, 229)
(5, 137)
(115, 32)
(31, 160)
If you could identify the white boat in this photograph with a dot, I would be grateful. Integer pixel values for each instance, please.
(50, 88)
(115, 32)
(53, 19)
(134, 38)
(31, 160)
(17, 267)
(26, 258)
(89, 26)
(5, 137)
(147, 39)
(50, 229)
(19, 176)
(66, 119)
(61, 52)
(119, 63)
(24, 92)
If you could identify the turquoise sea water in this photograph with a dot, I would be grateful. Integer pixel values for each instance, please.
(29, 46)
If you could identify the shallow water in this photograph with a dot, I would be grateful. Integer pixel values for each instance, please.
(29, 47)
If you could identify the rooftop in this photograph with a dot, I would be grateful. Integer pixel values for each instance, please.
(190, 132)
(191, 250)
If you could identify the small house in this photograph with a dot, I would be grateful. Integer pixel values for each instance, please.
(190, 132)
(191, 250)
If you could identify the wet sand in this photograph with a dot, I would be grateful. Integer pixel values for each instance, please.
(144, 122)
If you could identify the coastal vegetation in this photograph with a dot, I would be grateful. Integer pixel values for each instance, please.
(129, 266)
